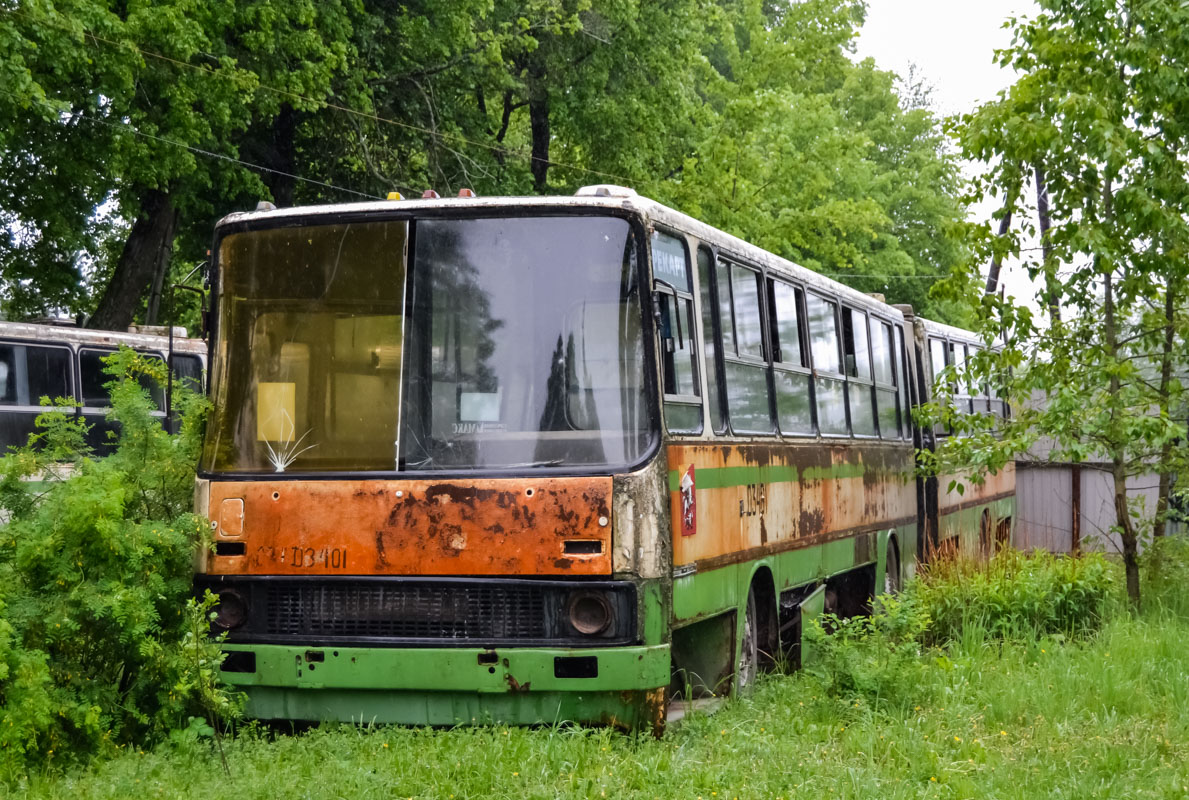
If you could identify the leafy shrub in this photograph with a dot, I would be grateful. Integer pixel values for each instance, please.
(100, 644)
(1016, 595)
(877, 657)
(1164, 575)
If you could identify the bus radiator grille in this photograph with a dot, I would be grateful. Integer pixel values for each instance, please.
(419, 611)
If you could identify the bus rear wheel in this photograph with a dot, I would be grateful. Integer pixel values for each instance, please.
(749, 651)
(891, 570)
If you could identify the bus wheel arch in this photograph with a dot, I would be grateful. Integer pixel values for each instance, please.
(892, 569)
(759, 654)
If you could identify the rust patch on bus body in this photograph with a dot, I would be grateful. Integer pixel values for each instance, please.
(757, 497)
(384, 527)
(1000, 484)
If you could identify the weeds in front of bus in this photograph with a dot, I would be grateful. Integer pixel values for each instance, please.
(99, 648)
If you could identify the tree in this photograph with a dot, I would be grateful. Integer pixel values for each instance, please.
(1102, 112)
(815, 157)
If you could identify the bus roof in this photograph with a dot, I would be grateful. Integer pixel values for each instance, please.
(650, 210)
(67, 334)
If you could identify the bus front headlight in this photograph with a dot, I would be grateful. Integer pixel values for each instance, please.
(232, 610)
(590, 613)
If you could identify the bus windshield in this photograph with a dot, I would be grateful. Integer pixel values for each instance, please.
(522, 347)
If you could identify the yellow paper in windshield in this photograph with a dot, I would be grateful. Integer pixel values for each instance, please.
(276, 407)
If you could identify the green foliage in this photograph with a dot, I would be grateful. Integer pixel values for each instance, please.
(1016, 596)
(876, 657)
(100, 644)
(748, 114)
(1165, 565)
(958, 606)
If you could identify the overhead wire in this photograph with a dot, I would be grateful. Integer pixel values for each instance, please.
(200, 151)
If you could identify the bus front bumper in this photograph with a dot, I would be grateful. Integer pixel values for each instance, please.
(620, 686)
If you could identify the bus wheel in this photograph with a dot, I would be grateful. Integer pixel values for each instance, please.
(891, 570)
(749, 652)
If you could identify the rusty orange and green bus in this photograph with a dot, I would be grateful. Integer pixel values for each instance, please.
(527, 460)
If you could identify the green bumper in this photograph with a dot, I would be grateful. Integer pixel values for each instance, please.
(440, 686)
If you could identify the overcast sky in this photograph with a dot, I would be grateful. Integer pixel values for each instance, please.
(952, 43)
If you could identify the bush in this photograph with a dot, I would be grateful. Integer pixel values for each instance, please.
(877, 657)
(1016, 595)
(100, 644)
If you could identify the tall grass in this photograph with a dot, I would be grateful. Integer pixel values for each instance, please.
(1016, 596)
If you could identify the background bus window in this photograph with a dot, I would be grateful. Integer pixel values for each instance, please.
(829, 383)
(794, 409)
(858, 370)
(713, 373)
(28, 373)
(902, 370)
(93, 380)
(938, 359)
(682, 385)
(187, 369)
(886, 400)
(962, 386)
(978, 386)
(746, 367)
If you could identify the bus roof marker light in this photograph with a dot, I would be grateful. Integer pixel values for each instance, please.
(467, 193)
(430, 194)
(605, 190)
(395, 196)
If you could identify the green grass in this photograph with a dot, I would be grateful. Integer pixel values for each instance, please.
(1104, 717)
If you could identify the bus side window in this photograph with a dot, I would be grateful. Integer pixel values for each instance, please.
(829, 382)
(679, 352)
(94, 379)
(886, 396)
(937, 357)
(8, 374)
(962, 389)
(746, 367)
(858, 369)
(902, 374)
(187, 369)
(710, 325)
(29, 373)
(794, 410)
(978, 386)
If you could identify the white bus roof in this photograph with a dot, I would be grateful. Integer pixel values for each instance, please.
(652, 211)
(68, 334)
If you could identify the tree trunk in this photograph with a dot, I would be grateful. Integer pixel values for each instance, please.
(996, 262)
(1117, 446)
(1052, 293)
(283, 157)
(538, 115)
(1166, 356)
(147, 249)
(1127, 535)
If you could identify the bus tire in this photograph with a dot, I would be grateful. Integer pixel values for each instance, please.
(891, 569)
(749, 647)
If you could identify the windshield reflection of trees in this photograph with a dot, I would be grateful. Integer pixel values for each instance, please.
(498, 363)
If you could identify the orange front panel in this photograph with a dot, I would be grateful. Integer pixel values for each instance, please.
(549, 526)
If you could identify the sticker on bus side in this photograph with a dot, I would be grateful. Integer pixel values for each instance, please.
(689, 516)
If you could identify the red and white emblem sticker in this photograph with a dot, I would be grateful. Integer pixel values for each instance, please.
(689, 516)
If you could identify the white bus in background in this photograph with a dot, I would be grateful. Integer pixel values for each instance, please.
(61, 360)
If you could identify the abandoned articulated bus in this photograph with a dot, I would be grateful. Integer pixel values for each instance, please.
(63, 361)
(530, 460)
